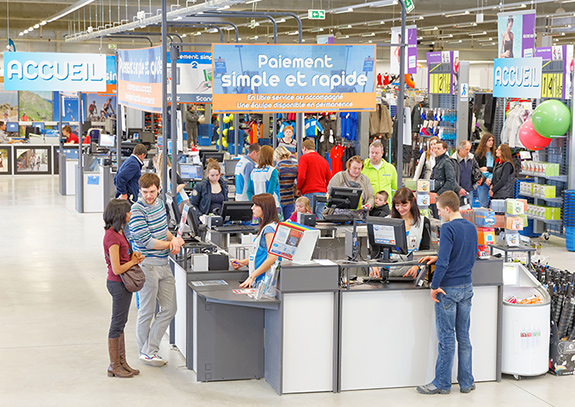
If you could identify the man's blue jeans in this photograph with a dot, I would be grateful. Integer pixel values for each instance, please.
(320, 206)
(483, 194)
(287, 210)
(452, 317)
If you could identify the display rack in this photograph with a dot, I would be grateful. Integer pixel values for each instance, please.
(153, 122)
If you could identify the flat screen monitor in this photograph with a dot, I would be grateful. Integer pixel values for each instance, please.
(344, 198)
(237, 211)
(216, 155)
(190, 171)
(33, 130)
(230, 167)
(147, 137)
(386, 235)
(12, 127)
(39, 125)
(107, 140)
(87, 125)
(134, 133)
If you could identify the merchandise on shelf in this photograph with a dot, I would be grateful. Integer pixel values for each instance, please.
(543, 212)
(512, 238)
(423, 185)
(483, 251)
(498, 205)
(515, 206)
(485, 236)
(542, 169)
(484, 218)
(514, 223)
(537, 190)
(423, 199)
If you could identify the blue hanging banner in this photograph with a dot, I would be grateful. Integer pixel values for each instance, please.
(517, 77)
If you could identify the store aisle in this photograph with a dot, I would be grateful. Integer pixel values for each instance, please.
(56, 310)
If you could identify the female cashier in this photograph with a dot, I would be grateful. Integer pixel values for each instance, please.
(417, 227)
(264, 208)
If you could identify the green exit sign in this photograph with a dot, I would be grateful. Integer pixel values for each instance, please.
(112, 46)
(409, 6)
(316, 14)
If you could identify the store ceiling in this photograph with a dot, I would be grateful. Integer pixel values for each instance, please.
(442, 24)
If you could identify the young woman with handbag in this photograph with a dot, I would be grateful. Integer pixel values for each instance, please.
(119, 260)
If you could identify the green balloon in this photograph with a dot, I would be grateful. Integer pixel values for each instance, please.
(551, 118)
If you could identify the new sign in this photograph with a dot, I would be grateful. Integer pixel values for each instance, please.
(140, 79)
(43, 71)
(517, 77)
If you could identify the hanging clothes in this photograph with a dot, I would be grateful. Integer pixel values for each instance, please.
(515, 118)
(386, 79)
(312, 127)
(328, 137)
(336, 155)
(379, 80)
(349, 123)
(380, 123)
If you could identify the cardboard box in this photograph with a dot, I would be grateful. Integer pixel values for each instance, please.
(483, 251)
(514, 223)
(423, 199)
(484, 218)
(485, 236)
(515, 206)
(423, 185)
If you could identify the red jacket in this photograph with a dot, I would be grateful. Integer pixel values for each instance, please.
(313, 173)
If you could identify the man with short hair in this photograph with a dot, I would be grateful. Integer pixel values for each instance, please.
(126, 179)
(381, 174)
(443, 171)
(149, 231)
(313, 175)
(467, 172)
(244, 169)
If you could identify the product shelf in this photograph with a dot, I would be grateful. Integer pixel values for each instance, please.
(559, 178)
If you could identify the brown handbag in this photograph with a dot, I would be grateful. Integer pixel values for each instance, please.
(133, 278)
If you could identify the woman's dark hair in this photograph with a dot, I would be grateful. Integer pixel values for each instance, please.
(402, 196)
(268, 205)
(506, 155)
(115, 214)
(482, 147)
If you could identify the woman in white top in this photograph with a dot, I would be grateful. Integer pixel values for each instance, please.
(426, 161)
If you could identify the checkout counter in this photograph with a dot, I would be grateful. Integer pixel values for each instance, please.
(317, 336)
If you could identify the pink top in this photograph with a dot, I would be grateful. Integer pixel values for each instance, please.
(293, 217)
(111, 237)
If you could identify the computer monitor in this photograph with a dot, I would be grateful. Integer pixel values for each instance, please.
(344, 198)
(147, 137)
(32, 130)
(95, 136)
(12, 127)
(107, 140)
(87, 125)
(216, 155)
(190, 171)
(230, 167)
(237, 211)
(39, 125)
(386, 235)
(134, 133)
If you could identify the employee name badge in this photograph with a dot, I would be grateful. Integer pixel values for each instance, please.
(411, 243)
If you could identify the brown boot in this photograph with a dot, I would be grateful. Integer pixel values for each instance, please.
(123, 361)
(115, 368)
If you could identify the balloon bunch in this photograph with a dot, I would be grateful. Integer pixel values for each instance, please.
(550, 119)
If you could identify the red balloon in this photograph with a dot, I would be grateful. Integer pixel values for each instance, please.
(530, 139)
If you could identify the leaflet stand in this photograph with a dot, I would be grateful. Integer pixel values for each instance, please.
(294, 242)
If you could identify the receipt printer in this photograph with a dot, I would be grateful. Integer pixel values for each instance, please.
(306, 219)
(213, 221)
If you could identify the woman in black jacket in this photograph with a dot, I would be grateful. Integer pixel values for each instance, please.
(210, 194)
(503, 184)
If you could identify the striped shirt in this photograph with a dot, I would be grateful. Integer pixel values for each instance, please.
(288, 177)
(148, 224)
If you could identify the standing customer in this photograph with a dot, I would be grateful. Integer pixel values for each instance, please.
(149, 229)
(426, 161)
(451, 290)
(467, 172)
(485, 156)
(211, 193)
(260, 260)
(265, 178)
(353, 178)
(192, 119)
(287, 169)
(126, 179)
(444, 171)
(503, 185)
(313, 175)
(243, 171)
(117, 254)
(381, 174)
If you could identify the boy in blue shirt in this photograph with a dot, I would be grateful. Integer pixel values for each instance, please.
(451, 290)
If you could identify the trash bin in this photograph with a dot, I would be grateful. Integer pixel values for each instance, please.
(526, 326)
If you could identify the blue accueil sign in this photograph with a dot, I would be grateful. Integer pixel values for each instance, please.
(517, 77)
(44, 71)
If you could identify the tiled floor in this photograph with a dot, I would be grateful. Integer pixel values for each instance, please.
(56, 310)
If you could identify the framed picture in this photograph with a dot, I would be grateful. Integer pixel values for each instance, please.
(5, 161)
(33, 160)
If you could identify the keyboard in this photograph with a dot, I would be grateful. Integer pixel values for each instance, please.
(236, 229)
(399, 279)
(337, 218)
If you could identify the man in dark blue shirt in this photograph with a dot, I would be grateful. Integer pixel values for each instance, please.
(128, 175)
(451, 290)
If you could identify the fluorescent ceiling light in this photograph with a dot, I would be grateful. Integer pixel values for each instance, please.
(36, 26)
(476, 34)
(69, 10)
(281, 20)
(466, 12)
(293, 33)
(43, 22)
(253, 1)
(227, 6)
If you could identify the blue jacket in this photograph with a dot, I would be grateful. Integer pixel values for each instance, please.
(202, 195)
(127, 177)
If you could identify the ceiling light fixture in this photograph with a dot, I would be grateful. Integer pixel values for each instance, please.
(253, 1)
(227, 6)
(69, 10)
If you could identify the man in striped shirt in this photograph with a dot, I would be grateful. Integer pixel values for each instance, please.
(151, 237)
(288, 176)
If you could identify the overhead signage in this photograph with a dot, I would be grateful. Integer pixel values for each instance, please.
(443, 72)
(293, 78)
(411, 47)
(140, 79)
(46, 71)
(194, 77)
(556, 80)
(316, 14)
(409, 5)
(516, 34)
(517, 77)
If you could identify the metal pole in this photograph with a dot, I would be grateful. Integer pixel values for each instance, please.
(400, 103)
(220, 130)
(236, 134)
(299, 132)
(61, 160)
(164, 97)
(120, 115)
(80, 172)
(274, 131)
(174, 55)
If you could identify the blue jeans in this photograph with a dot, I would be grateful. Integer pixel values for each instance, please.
(288, 210)
(320, 206)
(483, 193)
(452, 317)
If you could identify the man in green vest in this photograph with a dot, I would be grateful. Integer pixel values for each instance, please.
(381, 174)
